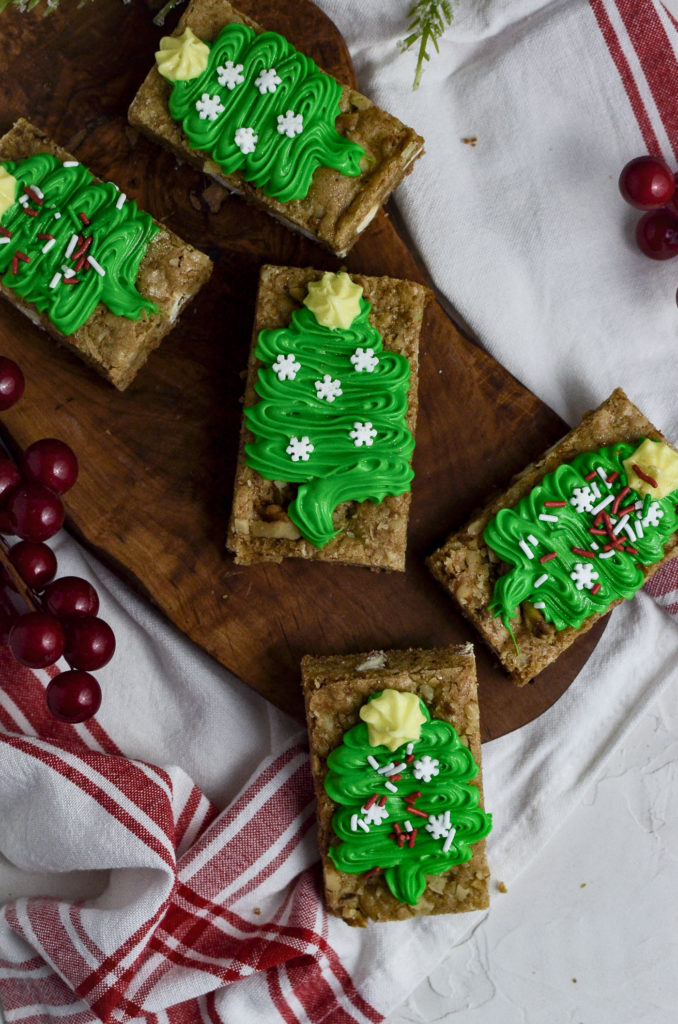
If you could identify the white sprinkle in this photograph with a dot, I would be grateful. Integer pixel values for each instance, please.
(24, 199)
(387, 769)
(539, 604)
(71, 163)
(639, 505)
(639, 529)
(595, 490)
(408, 826)
(363, 825)
(96, 266)
(55, 280)
(121, 200)
(409, 748)
(542, 579)
(628, 530)
(532, 539)
(548, 519)
(57, 215)
(606, 554)
(68, 272)
(593, 546)
(39, 193)
(5, 241)
(620, 525)
(372, 761)
(71, 246)
(603, 504)
(354, 822)
(526, 548)
(450, 839)
(601, 473)
(391, 787)
(49, 244)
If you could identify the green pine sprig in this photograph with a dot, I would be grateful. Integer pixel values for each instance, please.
(428, 20)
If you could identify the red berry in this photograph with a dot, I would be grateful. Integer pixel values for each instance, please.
(35, 563)
(34, 512)
(657, 235)
(90, 643)
(12, 383)
(69, 596)
(52, 463)
(37, 639)
(73, 696)
(9, 478)
(647, 183)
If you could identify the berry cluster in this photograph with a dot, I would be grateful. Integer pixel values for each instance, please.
(649, 184)
(63, 617)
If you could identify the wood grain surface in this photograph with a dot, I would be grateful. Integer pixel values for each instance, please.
(157, 461)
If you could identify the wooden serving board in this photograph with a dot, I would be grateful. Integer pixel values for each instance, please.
(157, 461)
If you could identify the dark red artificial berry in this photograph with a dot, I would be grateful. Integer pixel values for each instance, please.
(35, 562)
(657, 234)
(12, 383)
(37, 639)
(73, 696)
(69, 596)
(34, 512)
(52, 463)
(90, 643)
(647, 183)
(10, 478)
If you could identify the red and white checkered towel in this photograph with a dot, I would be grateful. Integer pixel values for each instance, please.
(161, 909)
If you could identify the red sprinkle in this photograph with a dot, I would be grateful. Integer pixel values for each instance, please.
(5, 232)
(373, 799)
(44, 235)
(594, 590)
(627, 511)
(618, 500)
(631, 551)
(31, 213)
(643, 476)
(15, 260)
(549, 556)
(84, 218)
(84, 246)
(382, 801)
(591, 476)
(598, 533)
(395, 778)
(34, 195)
(583, 553)
(409, 759)
(71, 280)
(616, 546)
(555, 504)
(412, 837)
(411, 797)
(372, 871)
(80, 264)
(415, 810)
(612, 476)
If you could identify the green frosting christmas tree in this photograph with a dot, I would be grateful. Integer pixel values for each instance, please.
(331, 417)
(409, 812)
(68, 242)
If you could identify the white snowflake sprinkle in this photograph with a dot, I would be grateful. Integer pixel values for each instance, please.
(229, 74)
(246, 140)
(209, 107)
(328, 389)
(299, 448)
(285, 367)
(424, 768)
(654, 513)
(267, 81)
(290, 124)
(439, 825)
(582, 499)
(364, 359)
(583, 575)
(375, 814)
(363, 434)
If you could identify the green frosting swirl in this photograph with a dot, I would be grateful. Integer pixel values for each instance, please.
(336, 470)
(120, 238)
(617, 575)
(282, 166)
(351, 781)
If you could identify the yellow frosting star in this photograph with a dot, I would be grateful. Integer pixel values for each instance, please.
(334, 300)
(657, 461)
(393, 718)
(182, 57)
(8, 184)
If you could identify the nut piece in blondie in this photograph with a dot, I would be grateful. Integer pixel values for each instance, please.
(395, 756)
(315, 155)
(83, 262)
(574, 534)
(330, 410)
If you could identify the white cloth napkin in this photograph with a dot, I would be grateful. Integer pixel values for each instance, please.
(526, 237)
